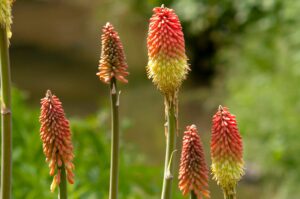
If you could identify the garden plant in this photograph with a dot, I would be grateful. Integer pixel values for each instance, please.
(167, 67)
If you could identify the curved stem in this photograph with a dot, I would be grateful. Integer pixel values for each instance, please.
(63, 184)
(6, 147)
(170, 148)
(114, 168)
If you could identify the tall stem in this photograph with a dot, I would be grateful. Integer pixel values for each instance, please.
(63, 184)
(193, 195)
(170, 148)
(6, 147)
(114, 161)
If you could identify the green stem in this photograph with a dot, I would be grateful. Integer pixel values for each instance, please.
(170, 148)
(6, 160)
(193, 195)
(114, 161)
(63, 184)
(230, 194)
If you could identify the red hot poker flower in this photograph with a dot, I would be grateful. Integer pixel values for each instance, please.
(112, 62)
(193, 172)
(167, 63)
(56, 136)
(226, 150)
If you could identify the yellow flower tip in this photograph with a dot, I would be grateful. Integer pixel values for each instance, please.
(5, 16)
(107, 25)
(53, 185)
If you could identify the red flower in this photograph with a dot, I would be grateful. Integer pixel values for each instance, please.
(56, 136)
(167, 63)
(112, 62)
(226, 150)
(193, 172)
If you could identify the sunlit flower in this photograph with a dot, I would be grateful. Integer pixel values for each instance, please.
(226, 150)
(56, 136)
(193, 172)
(167, 62)
(112, 62)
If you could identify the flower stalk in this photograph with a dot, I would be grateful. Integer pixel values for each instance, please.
(170, 148)
(167, 67)
(113, 67)
(230, 195)
(6, 126)
(63, 193)
(114, 169)
(193, 195)
(6, 119)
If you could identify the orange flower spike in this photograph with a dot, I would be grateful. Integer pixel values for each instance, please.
(193, 171)
(56, 137)
(226, 151)
(112, 62)
(167, 63)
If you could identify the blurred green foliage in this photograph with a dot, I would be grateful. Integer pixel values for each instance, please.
(255, 47)
(31, 178)
(262, 67)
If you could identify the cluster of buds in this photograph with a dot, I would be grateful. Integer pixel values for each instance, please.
(193, 172)
(226, 151)
(56, 136)
(112, 63)
(167, 67)
(5, 15)
(167, 63)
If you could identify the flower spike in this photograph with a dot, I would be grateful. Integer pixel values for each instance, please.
(56, 136)
(167, 63)
(226, 151)
(193, 172)
(112, 62)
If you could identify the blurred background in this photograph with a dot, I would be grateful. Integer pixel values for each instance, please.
(243, 54)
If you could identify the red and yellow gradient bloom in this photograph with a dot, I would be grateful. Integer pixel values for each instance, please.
(112, 62)
(193, 172)
(167, 63)
(226, 150)
(56, 136)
